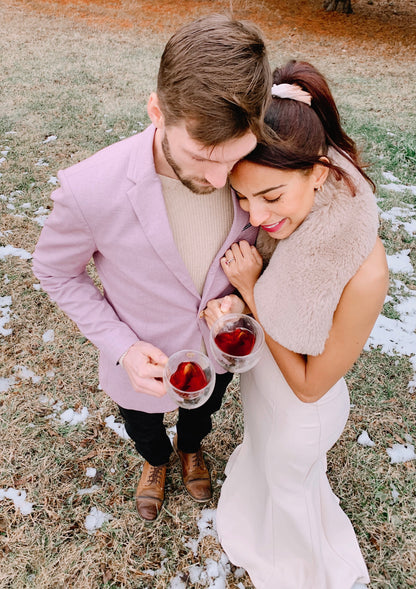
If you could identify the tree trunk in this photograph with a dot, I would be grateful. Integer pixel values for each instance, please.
(344, 6)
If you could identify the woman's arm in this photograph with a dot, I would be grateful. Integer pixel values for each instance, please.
(310, 377)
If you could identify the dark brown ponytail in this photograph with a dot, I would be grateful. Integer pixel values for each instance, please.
(303, 133)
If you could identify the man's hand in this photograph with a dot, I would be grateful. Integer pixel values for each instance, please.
(144, 364)
(217, 307)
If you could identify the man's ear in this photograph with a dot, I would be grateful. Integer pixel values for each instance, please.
(154, 111)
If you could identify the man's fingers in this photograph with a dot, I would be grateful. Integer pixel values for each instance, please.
(226, 304)
(152, 387)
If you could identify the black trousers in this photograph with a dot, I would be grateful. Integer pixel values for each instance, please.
(149, 434)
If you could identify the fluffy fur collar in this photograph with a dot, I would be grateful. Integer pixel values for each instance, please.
(297, 294)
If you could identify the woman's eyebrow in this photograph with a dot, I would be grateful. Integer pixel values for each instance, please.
(268, 189)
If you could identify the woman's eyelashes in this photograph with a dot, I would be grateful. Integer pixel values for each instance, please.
(272, 199)
(238, 195)
(265, 198)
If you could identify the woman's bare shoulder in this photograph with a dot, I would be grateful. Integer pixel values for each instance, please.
(373, 273)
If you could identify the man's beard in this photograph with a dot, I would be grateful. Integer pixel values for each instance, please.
(191, 183)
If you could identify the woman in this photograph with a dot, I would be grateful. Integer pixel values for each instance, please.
(317, 300)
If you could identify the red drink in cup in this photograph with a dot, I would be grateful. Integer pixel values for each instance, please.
(189, 377)
(238, 342)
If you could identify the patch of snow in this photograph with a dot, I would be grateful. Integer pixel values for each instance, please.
(6, 383)
(400, 262)
(48, 336)
(90, 472)
(401, 217)
(5, 303)
(9, 250)
(88, 491)
(177, 582)
(56, 406)
(41, 215)
(18, 498)
(119, 428)
(41, 162)
(394, 492)
(364, 439)
(398, 336)
(96, 519)
(26, 373)
(171, 431)
(401, 453)
(391, 177)
(72, 417)
(399, 187)
(239, 572)
(50, 138)
(212, 574)
(160, 570)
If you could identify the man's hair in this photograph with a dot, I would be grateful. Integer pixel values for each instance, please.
(215, 76)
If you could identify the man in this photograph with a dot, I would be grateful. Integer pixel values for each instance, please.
(156, 214)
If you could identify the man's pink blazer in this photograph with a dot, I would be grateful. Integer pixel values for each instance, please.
(110, 207)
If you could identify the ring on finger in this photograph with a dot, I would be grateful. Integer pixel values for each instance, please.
(228, 262)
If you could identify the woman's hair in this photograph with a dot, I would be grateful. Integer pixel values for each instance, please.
(214, 75)
(303, 133)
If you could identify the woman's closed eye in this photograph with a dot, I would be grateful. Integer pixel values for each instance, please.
(238, 195)
(272, 199)
(241, 197)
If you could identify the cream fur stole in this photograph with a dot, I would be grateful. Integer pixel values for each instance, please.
(297, 294)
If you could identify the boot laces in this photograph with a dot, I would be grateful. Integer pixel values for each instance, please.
(155, 475)
(197, 460)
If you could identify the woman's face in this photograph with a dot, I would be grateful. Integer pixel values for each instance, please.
(277, 200)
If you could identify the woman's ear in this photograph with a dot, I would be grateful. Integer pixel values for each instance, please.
(154, 111)
(320, 174)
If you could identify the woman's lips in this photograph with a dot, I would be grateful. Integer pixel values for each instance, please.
(275, 227)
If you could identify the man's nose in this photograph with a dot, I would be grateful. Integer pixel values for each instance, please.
(217, 175)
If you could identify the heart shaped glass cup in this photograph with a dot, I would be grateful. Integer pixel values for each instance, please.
(189, 378)
(236, 342)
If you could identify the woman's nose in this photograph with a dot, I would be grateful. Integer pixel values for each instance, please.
(258, 215)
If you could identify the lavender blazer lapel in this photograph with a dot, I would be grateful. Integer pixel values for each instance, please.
(240, 229)
(147, 200)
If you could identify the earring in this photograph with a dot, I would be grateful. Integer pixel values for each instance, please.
(318, 188)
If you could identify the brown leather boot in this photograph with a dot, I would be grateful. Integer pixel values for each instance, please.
(195, 474)
(150, 491)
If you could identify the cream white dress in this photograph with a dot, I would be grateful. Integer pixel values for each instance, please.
(277, 516)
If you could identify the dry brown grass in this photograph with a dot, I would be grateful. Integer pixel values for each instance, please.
(77, 69)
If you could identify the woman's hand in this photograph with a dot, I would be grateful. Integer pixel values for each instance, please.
(242, 264)
(218, 307)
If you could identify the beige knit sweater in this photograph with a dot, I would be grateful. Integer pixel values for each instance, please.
(297, 294)
(200, 224)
